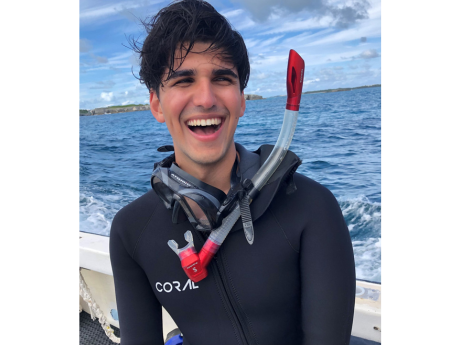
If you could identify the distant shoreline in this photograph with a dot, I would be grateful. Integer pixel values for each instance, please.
(335, 90)
(115, 109)
(342, 89)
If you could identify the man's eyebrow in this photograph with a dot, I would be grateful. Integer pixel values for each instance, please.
(191, 73)
(223, 72)
(182, 73)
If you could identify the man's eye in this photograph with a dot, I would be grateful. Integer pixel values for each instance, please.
(184, 81)
(224, 79)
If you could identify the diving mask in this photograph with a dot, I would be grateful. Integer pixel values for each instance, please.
(204, 205)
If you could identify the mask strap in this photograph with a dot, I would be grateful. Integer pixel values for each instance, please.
(175, 212)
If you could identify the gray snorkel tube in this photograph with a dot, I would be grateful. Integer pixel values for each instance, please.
(194, 264)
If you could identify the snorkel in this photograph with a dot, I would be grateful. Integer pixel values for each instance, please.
(193, 263)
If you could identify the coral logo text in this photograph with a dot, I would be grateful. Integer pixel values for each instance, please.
(168, 287)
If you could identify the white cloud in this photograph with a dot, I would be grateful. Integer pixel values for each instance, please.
(95, 12)
(121, 60)
(107, 96)
(268, 62)
(305, 37)
(270, 41)
(261, 76)
(103, 84)
(369, 54)
(239, 19)
(233, 13)
(306, 82)
(343, 13)
(369, 28)
(299, 25)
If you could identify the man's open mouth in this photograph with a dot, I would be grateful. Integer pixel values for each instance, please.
(205, 127)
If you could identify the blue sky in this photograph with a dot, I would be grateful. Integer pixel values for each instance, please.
(340, 42)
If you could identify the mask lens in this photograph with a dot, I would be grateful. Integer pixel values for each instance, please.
(198, 213)
(163, 191)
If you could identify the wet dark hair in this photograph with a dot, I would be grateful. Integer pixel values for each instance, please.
(178, 27)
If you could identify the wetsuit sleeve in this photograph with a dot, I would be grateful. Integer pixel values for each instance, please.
(327, 273)
(138, 309)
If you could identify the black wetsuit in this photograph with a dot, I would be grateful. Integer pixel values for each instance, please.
(294, 285)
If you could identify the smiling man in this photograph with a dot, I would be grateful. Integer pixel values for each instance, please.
(295, 283)
(201, 103)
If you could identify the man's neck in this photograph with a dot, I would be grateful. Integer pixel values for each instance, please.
(217, 175)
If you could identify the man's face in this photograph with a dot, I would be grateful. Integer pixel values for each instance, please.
(201, 105)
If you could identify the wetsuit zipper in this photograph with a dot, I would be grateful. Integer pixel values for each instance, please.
(218, 270)
(232, 301)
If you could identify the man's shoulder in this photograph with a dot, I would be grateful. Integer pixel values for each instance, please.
(303, 209)
(309, 194)
(133, 217)
(308, 187)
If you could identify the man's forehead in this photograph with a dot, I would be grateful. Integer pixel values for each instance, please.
(216, 58)
(205, 50)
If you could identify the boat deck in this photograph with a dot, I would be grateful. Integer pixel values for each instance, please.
(91, 332)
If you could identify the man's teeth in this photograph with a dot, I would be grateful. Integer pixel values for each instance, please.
(203, 122)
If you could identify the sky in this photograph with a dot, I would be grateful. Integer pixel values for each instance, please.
(340, 42)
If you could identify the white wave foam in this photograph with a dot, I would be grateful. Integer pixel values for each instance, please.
(363, 218)
(95, 215)
(368, 259)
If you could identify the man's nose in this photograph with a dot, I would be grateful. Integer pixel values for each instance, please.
(204, 95)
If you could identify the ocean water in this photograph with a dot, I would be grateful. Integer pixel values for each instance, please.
(337, 137)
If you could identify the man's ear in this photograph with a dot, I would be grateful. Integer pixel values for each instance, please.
(155, 107)
(243, 104)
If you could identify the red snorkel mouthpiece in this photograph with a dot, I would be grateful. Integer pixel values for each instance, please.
(294, 80)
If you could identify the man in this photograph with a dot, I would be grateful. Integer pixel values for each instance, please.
(296, 283)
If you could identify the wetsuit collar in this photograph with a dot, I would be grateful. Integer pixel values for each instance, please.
(250, 162)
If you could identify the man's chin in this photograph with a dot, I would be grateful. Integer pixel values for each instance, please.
(208, 156)
(207, 159)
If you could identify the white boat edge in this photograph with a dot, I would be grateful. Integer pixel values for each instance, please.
(97, 272)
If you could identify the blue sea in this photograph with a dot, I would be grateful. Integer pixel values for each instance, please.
(338, 138)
